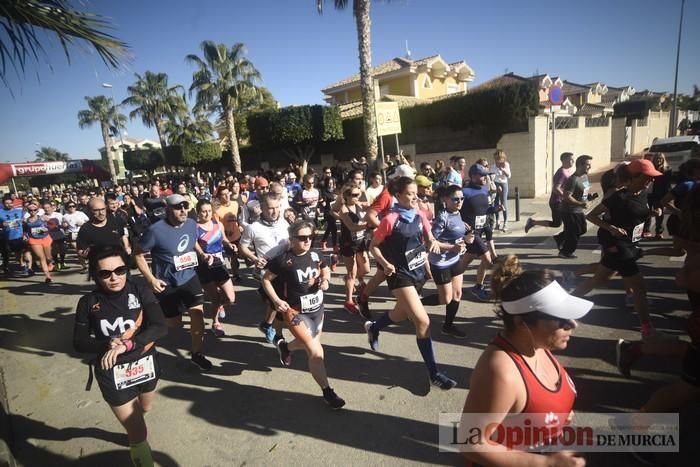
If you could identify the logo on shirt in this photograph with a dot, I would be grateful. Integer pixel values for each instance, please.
(308, 274)
(182, 244)
(120, 324)
(133, 302)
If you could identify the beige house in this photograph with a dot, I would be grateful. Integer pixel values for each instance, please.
(403, 78)
(121, 145)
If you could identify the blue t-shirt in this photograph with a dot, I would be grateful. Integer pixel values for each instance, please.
(476, 206)
(12, 223)
(37, 229)
(680, 193)
(448, 227)
(173, 258)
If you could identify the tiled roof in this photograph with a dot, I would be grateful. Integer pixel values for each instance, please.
(499, 81)
(570, 88)
(592, 109)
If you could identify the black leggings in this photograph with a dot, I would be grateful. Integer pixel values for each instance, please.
(574, 227)
(331, 228)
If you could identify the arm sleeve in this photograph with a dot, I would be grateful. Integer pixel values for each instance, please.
(275, 266)
(83, 341)
(385, 228)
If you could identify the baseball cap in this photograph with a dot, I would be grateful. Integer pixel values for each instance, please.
(422, 180)
(551, 300)
(174, 200)
(478, 169)
(403, 170)
(642, 166)
(291, 175)
(261, 182)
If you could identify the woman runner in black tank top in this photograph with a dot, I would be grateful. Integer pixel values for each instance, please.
(353, 244)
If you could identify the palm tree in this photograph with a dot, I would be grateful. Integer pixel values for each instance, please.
(222, 78)
(189, 130)
(360, 9)
(154, 101)
(101, 109)
(25, 21)
(49, 154)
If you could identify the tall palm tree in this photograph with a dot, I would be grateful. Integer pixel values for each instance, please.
(187, 129)
(360, 9)
(154, 101)
(49, 154)
(24, 23)
(101, 109)
(222, 78)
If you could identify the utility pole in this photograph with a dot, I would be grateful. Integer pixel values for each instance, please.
(672, 122)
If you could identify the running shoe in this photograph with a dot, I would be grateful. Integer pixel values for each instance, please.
(629, 300)
(218, 330)
(25, 270)
(48, 280)
(222, 312)
(529, 224)
(646, 234)
(504, 228)
(443, 381)
(201, 361)
(453, 331)
(558, 240)
(30, 272)
(63, 265)
(567, 255)
(269, 332)
(659, 236)
(625, 357)
(372, 336)
(284, 353)
(332, 398)
(480, 293)
(568, 279)
(334, 262)
(351, 307)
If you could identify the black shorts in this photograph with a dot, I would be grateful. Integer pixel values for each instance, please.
(673, 225)
(176, 300)
(217, 274)
(556, 214)
(278, 286)
(444, 275)
(622, 259)
(116, 397)
(399, 280)
(477, 247)
(691, 365)
(17, 245)
(349, 249)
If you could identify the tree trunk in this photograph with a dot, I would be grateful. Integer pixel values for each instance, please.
(159, 130)
(108, 151)
(361, 12)
(233, 141)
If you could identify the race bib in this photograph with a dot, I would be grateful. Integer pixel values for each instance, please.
(637, 232)
(186, 261)
(311, 302)
(131, 374)
(479, 222)
(358, 235)
(38, 231)
(415, 258)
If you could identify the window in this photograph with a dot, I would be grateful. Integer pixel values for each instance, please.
(384, 89)
(427, 84)
(452, 88)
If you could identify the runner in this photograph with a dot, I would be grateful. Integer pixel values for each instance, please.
(446, 267)
(303, 276)
(328, 197)
(306, 200)
(73, 220)
(474, 211)
(626, 211)
(556, 198)
(226, 212)
(261, 241)
(118, 323)
(398, 246)
(659, 188)
(102, 230)
(212, 271)
(174, 278)
(54, 220)
(39, 240)
(576, 198)
(353, 244)
(13, 236)
(517, 372)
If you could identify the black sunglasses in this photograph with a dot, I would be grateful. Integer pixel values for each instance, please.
(303, 238)
(561, 322)
(457, 199)
(183, 205)
(105, 274)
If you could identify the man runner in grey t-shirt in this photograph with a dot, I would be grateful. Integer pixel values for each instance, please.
(576, 197)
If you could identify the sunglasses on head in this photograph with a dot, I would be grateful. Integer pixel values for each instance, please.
(303, 238)
(106, 273)
(183, 205)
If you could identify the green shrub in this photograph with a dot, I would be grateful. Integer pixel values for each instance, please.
(143, 159)
(192, 154)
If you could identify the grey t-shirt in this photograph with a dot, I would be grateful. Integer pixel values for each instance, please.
(578, 186)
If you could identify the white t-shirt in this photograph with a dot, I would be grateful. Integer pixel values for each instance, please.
(75, 220)
(268, 240)
(372, 193)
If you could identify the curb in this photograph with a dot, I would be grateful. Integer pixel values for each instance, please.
(6, 457)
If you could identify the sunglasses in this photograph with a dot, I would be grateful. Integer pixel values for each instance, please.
(354, 195)
(181, 206)
(303, 238)
(457, 199)
(71, 206)
(561, 322)
(32, 210)
(106, 273)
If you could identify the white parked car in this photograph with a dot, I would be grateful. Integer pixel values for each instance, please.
(677, 149)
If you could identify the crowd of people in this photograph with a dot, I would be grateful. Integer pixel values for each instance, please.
(193, 238)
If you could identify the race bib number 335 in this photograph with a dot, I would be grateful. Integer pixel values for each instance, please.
(131, 374)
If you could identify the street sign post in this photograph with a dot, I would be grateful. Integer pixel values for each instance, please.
(556, 97)
(388, 123)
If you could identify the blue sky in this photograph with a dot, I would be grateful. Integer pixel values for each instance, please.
(299, 52)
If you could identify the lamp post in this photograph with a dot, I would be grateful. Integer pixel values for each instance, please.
(673, 123)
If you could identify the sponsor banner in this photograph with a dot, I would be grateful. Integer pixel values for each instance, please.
(30, 169)
(550, 432)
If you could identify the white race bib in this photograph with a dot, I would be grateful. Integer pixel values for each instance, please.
(311, 302)
(186, 261)
(416, 257)
(637, 232)
(131, 374)
(358, 235)
(479, 222)
(37, 231)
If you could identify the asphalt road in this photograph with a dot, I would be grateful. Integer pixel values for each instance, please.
(251, 410)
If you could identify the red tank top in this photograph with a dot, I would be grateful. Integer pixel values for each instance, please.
(554, 406)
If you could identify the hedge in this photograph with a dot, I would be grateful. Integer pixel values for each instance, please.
(294, 126)
(192, 154)
(143, 159)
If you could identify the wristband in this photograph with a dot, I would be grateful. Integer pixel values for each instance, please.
(129, 344)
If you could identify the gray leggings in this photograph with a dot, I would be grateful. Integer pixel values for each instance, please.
(501, 198)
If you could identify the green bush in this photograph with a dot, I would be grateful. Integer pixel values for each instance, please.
(190, 155)
(294, 126)
(143, 159)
